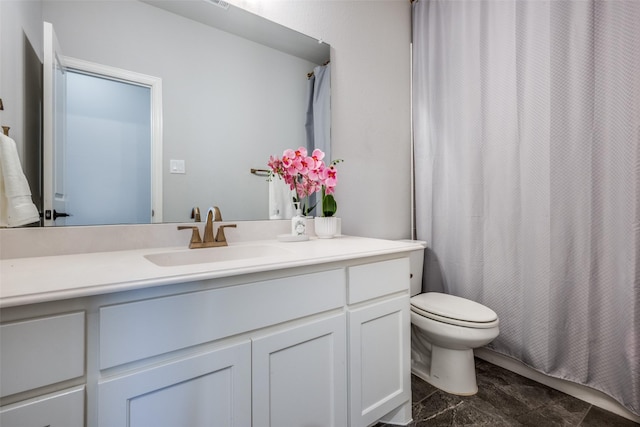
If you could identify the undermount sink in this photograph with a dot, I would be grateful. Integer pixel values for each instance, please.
(209, 255)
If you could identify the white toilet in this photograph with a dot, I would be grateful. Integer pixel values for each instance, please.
(444, 331)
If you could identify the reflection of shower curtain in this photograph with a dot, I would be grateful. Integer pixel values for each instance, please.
(318, 124)
(527, 129)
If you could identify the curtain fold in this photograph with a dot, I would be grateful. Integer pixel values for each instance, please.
(527, 135)
(318, 122)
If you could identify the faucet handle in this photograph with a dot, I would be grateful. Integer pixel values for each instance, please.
(220, 237)
(195, 235)
(195, 214)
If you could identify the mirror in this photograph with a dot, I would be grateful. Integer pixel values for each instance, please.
(234, 89)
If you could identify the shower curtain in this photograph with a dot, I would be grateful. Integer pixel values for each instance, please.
(318, 123)
(527, 151)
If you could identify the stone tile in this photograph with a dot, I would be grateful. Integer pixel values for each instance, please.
(567, 408)
(564, 411)
(456, 411)
(420, 389)
(597, 417)
(502, 401)
(434, 405)
(522, 398)
(505, 399)
(539, 418)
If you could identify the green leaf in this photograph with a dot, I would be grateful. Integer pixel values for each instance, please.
(329, 205)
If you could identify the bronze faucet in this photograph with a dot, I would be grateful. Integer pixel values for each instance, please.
(209, 241)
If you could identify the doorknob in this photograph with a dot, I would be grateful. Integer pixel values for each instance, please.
(56, 214)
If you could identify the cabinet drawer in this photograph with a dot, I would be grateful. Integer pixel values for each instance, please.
(137, 330)
(63, 409)
(39, 352)
(377, 279)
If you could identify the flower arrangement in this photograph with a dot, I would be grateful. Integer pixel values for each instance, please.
(307, 175)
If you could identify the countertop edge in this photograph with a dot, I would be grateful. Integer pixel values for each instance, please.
(35, 297)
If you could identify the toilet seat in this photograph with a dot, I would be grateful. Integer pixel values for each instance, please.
(453, 310)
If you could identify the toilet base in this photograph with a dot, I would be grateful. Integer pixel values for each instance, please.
(453, 371)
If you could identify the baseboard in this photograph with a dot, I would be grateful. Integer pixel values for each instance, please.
(587, 394)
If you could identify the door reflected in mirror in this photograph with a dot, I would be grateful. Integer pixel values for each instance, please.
(108, 147)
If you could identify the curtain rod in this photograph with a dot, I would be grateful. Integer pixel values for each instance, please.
(309, 75)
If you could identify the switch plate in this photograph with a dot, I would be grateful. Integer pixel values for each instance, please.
(176, 166)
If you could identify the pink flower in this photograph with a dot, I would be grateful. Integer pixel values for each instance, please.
(305, 174)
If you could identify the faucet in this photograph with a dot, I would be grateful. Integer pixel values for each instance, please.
(213, 215)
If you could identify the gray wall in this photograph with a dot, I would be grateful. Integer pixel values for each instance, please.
(20, 83)
(370, 103)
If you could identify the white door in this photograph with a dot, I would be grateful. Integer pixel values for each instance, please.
(108, 151)
(53, 137)
(102, 154)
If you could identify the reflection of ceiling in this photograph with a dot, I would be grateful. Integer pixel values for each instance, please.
(242, 23)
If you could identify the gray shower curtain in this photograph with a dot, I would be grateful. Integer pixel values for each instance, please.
(527, 148)
(318, 124)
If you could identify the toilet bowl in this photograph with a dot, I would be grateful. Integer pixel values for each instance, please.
(444, 331)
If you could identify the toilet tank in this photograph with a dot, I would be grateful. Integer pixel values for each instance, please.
(416, 262)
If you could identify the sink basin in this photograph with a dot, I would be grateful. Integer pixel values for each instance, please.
(208, 255)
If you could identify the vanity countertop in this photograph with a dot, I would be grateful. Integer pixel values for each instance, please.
(49, 278)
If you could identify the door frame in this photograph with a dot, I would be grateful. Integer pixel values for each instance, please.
(52, 62)
(155, 86)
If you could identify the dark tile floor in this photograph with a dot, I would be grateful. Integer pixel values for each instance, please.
(505, 399)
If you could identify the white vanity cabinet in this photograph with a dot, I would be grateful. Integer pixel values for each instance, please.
(38, 355)
(265, 353)
(320, 338)
(379, 342)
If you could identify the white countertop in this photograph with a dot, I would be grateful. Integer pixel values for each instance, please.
(49, 278)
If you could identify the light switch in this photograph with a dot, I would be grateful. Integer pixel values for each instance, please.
(176, 166)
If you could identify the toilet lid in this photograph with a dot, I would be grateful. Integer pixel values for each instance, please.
(453, 307)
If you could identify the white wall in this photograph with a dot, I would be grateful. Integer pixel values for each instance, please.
(370, 103)
(20, 83)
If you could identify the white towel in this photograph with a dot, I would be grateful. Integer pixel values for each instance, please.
(280, 199)
(16, 206)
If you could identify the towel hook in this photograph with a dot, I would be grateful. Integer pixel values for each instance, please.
(5, 130)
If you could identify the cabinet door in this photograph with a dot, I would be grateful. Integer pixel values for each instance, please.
(379, 360)
(207, 389)
(62, 409)
(299, 376)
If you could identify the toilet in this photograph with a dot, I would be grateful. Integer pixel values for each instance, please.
(444, 331)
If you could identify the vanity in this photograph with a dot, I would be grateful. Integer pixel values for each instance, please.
(259, 333)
